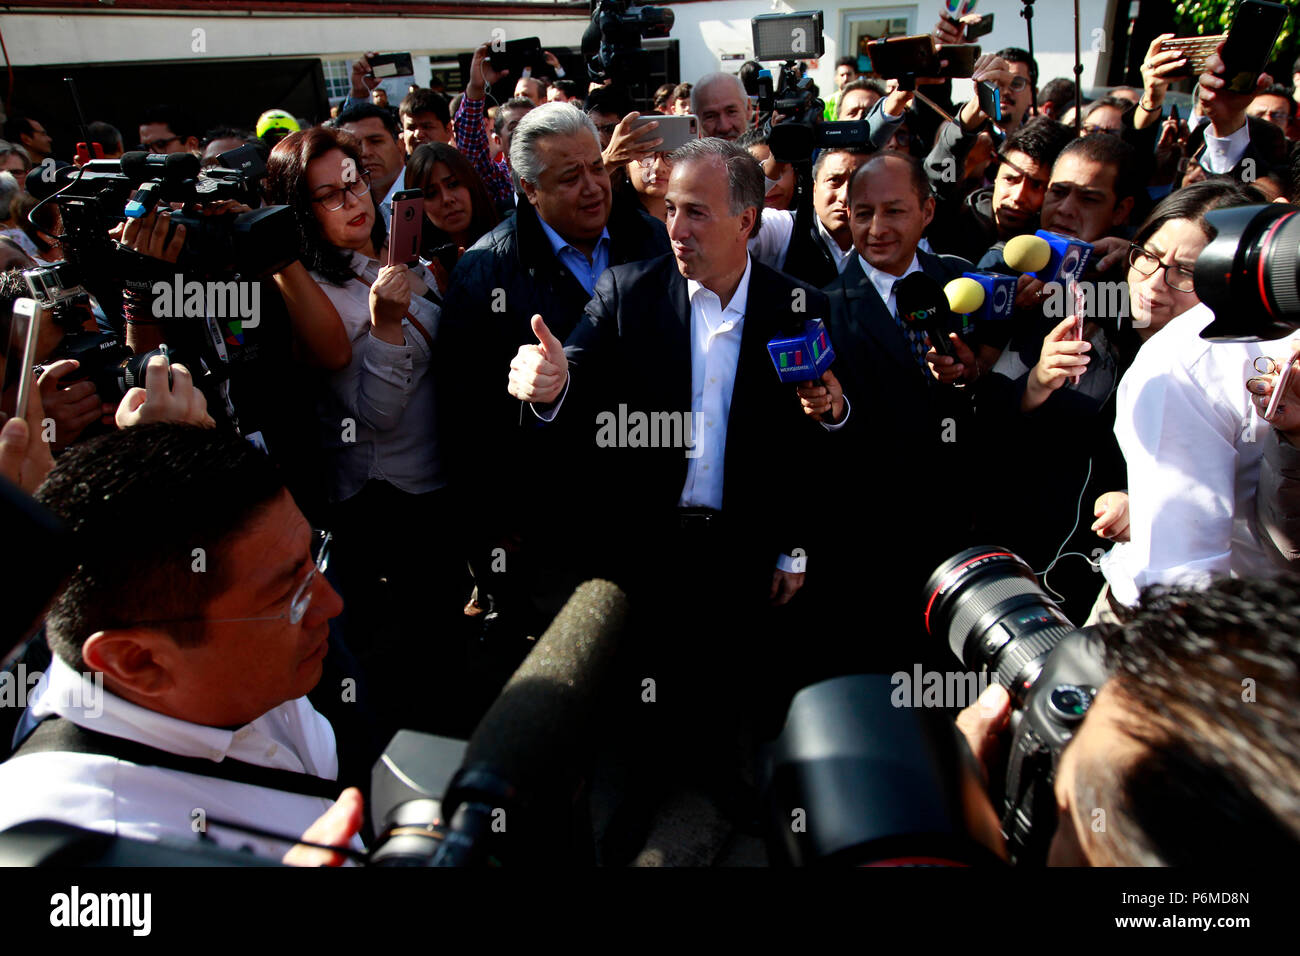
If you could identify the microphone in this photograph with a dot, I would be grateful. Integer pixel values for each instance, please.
(980, 297)
(139, 166)
(1050, 256)
(528, 736)
(804, 357)
(922, 304)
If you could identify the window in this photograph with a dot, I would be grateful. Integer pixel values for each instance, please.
(338, 77)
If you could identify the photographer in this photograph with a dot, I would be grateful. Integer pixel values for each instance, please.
(1188, 754)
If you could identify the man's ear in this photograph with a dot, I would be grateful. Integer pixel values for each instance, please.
(747, 219)
(139, 660)
(927, 211)
(1122, 210)
(530, 190)
(192, 145)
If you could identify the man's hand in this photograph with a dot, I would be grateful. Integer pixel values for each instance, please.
(1062, 358)
(182, 402)
(148, 235)
(553, 62)
(336, 827)
(984, 723)
(989, 68)
(1111, 511)
(1226, 110)
(947, 369)
(785, 585)
(1030, 291)
(481, 74)
(363, 81)
(538, 372)
(823, 399)
(25, 459)
(390, 297)
(1109, 251)
(627, 142)
(75, 408)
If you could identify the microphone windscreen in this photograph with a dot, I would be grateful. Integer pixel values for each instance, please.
(1027, 253)
(920, 298)
(135, 166)
(528, 733)
(964, 295)
(181, 166)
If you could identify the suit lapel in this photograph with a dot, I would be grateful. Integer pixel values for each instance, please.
(677, 329)
(869, 316)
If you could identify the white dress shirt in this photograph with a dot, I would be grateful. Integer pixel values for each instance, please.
(1193, 442)
(884, 282)
(151, 803)
(386, 204)
(775, 229)
(842, 257)
(1223, 152)
(715, 355)
(386, 391)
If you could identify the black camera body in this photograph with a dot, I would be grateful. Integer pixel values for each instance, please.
(988, 604)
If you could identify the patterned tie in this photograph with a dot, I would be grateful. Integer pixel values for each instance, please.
(916, 338)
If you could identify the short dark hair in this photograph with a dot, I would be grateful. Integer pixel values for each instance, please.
(201, 485)
(570, 88)
(105, 134)
(1059, 92)
(224, 132)
(748, 74)
(175, 120)
(16, 127)
(608, 99)
(1041, 139)
(825, 154)
(663, 95)
(682, 91)
(849, 61)
(1014, 54)
(1208, 681)
(1193, 202)
(1277, 89)
(1109, 151)
(364, 111)
(514, 103)
(916, 173)
(745, 183)
(425, 101)
(1115, 102)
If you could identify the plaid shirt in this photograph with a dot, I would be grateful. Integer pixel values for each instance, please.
(472, 141)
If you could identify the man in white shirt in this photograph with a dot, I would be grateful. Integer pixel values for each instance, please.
(182, 653)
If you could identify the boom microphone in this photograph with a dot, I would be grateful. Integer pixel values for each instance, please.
(529, 735)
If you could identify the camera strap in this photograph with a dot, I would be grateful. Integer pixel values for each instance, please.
(406, 315)
(60, 735)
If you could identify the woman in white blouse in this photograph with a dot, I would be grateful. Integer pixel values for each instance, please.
(379, 420)
(1190, 437)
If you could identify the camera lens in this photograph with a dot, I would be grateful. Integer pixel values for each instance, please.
(996, 618)
(1249, 274)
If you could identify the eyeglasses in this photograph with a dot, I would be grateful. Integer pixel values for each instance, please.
(1018, 83)
(298, 604)
(1278, 117)
(336, 198)
(158, 145)
(646, 162)
(1176, 277)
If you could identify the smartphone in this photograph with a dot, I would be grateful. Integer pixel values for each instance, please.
(20, 359)
(405, 227)
(1255, 28)
(990, 99)
(1075, 296)
(981, 29)
(1195, 50)
(1174, 114)
(384, 65)
(675, 131)
(1279, 389)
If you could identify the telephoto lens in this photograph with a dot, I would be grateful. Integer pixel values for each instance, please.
(1249, 274)
(996, 618)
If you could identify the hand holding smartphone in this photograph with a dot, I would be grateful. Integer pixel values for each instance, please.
(406, 228)
(19, 360)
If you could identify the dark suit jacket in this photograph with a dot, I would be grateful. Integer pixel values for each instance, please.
(633, 349)
(808, 259)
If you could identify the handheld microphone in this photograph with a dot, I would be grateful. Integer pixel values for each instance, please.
(922, 304)
(804, 357)
(530, 735)
(1067, 257)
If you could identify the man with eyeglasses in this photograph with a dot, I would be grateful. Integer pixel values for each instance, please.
(166, 130)
(1274, 106)
(182, 659)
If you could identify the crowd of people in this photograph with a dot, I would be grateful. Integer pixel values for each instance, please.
(394, 476)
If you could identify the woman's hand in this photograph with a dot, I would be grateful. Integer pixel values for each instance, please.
(390, 297)
(1287, 417)
(1062, 358)
(1111, 511)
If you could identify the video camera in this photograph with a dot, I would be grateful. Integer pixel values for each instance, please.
(1249, 274)
(611, 44)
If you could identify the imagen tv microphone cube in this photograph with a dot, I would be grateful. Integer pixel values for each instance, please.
(805, 357)
(1069, 257)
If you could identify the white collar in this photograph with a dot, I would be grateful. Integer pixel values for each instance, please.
(739, 300)
(883, 281)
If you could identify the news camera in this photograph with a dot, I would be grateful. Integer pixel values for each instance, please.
(611, 44)
(1249, 274)
(997, 620)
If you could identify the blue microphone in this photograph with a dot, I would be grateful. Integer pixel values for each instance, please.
(1068, 257)
(804, 357)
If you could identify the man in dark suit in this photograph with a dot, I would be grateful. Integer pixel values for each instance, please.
(898, 457)
(715, 528)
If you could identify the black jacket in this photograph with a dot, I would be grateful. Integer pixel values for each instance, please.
(507, 276)
(633, 349)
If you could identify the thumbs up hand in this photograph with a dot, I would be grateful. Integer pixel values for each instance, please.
(538, 372)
